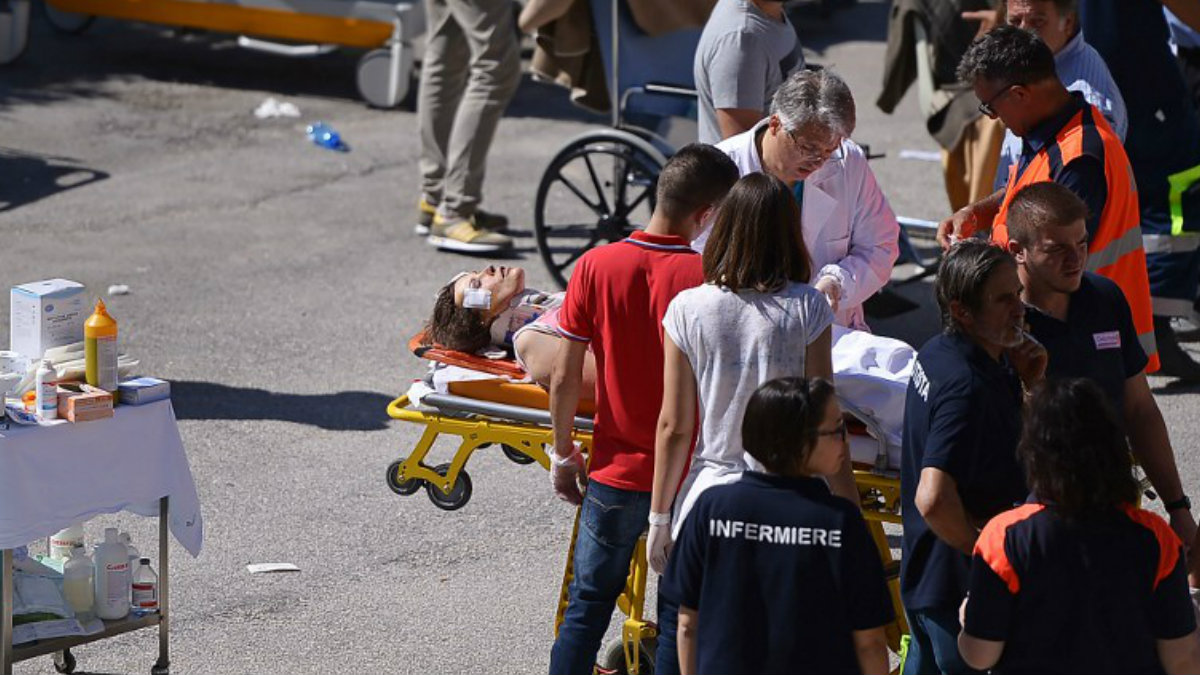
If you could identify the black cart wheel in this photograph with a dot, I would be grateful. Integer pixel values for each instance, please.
(64, 661)
(158, 669)
(401, 488)
(69, 23)
(516, 456)
(597, 189)
(460, 492)
(614, 658)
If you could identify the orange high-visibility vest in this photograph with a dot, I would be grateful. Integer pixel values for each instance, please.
(1115, 250)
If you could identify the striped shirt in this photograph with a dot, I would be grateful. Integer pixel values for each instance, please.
(1082, 69)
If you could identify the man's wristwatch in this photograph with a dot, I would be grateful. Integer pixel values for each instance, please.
(1182, 503)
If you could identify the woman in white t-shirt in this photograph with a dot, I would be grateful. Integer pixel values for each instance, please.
(754, 319)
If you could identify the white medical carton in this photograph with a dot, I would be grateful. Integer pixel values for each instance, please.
(46, 314)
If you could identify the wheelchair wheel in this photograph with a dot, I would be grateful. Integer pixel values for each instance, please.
(460, 492)
(404, 488)
(614, 658)
(516, 456)
(597, 189)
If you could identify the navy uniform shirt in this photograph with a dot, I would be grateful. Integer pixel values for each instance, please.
(963, 416)
(781, 572)
(1090, 595)
(1097, 341)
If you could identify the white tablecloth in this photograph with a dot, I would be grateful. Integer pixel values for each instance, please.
(52, 476)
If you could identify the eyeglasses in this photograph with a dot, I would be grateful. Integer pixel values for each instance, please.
(808, 151)
(839, 431)
(986, 107)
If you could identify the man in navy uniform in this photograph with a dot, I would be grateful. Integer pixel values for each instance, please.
(1086, 326)
(962, 421)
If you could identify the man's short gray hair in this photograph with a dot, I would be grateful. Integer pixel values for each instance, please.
(815, 96)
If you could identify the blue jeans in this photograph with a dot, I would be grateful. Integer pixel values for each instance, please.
(666, 656)
(610, 522)
(933, 649)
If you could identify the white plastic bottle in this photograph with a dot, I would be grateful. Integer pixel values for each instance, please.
(112, 577)
(134, 556)
(145, 587)
(47, 391)
(63, 541)
(78, 582)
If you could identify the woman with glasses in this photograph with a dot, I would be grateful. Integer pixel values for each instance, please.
(754, 319)
(773, 574)
(851, 233)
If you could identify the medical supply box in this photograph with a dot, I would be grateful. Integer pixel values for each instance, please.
(83, 402)
(46, 314)
(143, 390)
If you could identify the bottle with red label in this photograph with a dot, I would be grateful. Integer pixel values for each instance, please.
(145, 588)
(112, 577)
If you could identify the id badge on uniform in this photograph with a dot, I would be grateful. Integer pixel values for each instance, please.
(1107, 340)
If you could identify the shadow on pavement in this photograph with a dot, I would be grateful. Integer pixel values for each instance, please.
(27, 177)
(1176, 387)
(342, 411)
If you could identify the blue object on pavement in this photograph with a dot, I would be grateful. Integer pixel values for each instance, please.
(323, 135)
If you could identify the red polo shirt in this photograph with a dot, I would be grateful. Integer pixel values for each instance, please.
(616, 300)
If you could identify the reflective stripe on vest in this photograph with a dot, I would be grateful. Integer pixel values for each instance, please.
(1180, 183)
(1116, 249)
(1166, 243)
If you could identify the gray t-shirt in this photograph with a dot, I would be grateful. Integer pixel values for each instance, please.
(741, 60)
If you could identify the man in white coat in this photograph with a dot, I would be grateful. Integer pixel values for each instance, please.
(848, 226)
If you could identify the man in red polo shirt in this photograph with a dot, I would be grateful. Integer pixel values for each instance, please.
(615, 302)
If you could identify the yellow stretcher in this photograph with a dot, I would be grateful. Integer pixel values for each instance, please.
(388, 28)
(523, 432)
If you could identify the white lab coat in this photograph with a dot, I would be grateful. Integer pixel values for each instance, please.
(848, 226)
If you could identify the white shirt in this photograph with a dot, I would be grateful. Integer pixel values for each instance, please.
(735, 342)
(849, 228)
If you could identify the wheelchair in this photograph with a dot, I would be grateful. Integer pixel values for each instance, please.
(600, 186)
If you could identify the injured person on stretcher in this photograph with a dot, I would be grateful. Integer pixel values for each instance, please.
(489, 308)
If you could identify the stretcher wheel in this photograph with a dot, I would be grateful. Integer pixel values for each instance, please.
(376, 70)
(460, 492)
(70, 23)
(597, 189)
(64, 661)
(401, 488)
(614, 658)
(516, 456)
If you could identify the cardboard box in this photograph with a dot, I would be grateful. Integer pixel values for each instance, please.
(46, 314)
(83, 402)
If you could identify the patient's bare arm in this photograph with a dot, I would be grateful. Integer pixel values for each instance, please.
(537, 352)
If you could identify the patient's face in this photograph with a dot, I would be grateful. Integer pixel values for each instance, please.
(503, 282)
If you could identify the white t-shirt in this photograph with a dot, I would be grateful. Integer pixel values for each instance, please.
(735, 342)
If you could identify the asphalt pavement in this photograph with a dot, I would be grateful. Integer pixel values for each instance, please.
(276, 284)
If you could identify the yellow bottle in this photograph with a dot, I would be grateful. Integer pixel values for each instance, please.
(100, 349)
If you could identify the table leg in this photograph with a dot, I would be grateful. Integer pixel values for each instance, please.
(6, 607)
(163, 665)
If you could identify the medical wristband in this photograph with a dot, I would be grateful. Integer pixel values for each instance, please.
(659, 518)
(563, 461)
